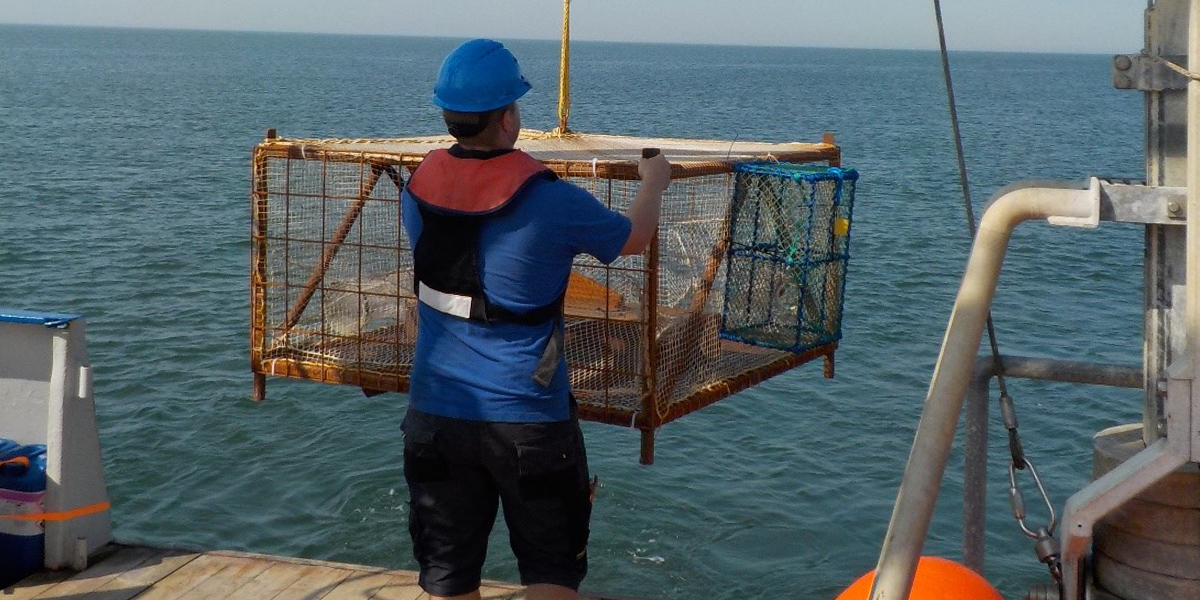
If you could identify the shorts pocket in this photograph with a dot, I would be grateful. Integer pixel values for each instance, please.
(548, 470)
(552, 480)
(422, 461)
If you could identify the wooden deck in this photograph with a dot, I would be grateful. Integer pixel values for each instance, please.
(126, 572)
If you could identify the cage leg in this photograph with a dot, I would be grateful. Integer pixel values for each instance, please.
(836, 159)
(829, 366)
(647, 447)
(259, 393)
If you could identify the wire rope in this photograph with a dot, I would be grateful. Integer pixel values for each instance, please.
(966, 186)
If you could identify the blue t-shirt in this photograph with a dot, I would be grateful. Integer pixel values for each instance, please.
(484, 372)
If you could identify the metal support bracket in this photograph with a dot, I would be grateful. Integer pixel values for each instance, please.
(1115, 488)
(1147, 73)
(1104, 495)
(1130, 201)
(1183, 412)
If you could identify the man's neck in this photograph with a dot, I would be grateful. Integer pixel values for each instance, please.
(479, 146)
(476, 151)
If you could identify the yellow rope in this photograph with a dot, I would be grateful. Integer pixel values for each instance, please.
(564, 72)
(1180, 70)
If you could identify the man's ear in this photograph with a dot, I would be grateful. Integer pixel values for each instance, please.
(508, 119)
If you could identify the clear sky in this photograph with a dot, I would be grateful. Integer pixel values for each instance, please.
(1091, 26)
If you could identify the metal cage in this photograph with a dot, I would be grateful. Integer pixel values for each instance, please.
(649, 338)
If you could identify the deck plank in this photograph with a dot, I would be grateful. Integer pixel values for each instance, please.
(135, 581)
(187, 577)
(138, 573)
(41, 581)
(360, 585)
(232, 577)
(271, 582)
(35, 584)
(318, 582)
(99, 574)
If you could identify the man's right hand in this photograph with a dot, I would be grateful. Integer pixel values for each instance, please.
(655, 172)
(644, 210)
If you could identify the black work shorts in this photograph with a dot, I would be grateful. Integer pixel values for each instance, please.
(459, 472)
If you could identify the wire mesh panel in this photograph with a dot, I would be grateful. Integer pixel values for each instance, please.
(649, 338)
(789, 247)
(333, 283)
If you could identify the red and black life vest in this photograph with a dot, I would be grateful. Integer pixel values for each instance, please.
(456, 192)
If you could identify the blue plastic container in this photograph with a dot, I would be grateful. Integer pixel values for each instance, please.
(22, 491)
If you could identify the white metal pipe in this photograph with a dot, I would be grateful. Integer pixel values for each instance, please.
(1066, 371)
(931, 449)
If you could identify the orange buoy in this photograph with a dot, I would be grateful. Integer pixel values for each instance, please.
(936, 579)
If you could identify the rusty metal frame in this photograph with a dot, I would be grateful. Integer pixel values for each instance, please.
(649, 414)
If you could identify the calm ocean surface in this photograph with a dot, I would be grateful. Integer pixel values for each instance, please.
(124, 186)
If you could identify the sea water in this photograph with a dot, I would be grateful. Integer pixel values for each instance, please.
(124, 196)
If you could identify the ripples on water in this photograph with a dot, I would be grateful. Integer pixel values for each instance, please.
(124, 191)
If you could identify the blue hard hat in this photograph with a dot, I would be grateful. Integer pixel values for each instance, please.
(479, 76)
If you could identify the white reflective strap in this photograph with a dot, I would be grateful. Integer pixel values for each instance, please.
(451, 304)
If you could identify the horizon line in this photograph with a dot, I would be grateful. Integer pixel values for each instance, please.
(523, 39)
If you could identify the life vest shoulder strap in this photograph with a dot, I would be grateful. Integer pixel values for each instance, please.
(472, 185)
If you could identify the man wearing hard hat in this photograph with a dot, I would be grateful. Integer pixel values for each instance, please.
(491, 421)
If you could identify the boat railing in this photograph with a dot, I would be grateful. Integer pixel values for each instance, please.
(958, 372)
(976, 440)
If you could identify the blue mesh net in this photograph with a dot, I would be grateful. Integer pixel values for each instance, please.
(788, 252)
